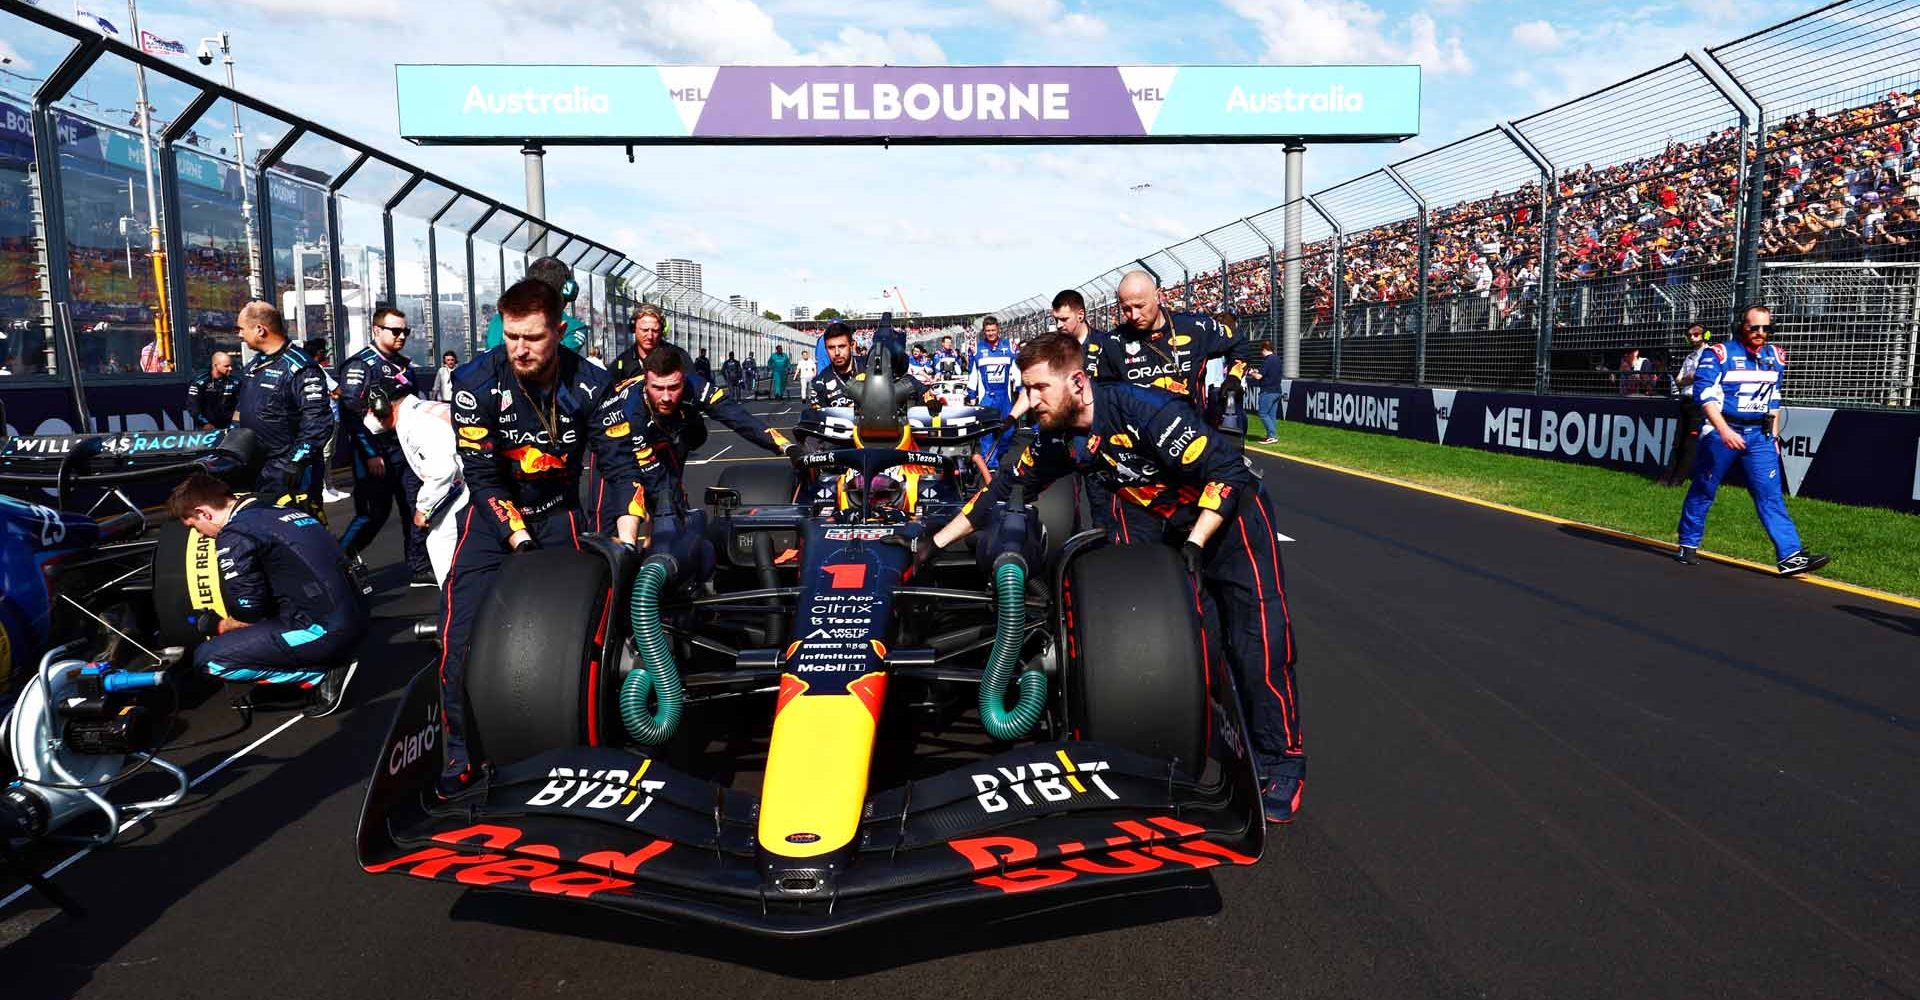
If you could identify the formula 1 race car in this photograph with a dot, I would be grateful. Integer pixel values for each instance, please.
(995, 727)
(93, 617)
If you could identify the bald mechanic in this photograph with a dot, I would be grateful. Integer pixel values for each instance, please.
(1173, 484)
(211, 393)
(1169, 350)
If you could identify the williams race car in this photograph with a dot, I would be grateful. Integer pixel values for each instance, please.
(775, 721)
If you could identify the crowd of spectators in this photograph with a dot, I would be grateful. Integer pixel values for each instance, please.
(1844, 185)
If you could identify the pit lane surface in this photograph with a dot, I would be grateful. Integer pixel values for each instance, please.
(1544, 763)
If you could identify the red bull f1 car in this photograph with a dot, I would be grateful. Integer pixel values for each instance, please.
(773, 721)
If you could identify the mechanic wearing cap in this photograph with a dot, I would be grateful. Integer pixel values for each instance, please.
(382, 477)
(282, 398)
(1737, 384)
(423, 432)
(1175, 484)
(558, 276)
(649, 337)
(211, 393)
(289, 614)
(1169, 350)
(522, 417)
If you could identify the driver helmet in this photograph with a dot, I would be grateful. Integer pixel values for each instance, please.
(882, 489)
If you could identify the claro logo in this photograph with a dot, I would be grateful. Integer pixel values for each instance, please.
(415, 745)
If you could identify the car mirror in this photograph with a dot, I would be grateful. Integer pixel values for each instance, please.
(723, 497)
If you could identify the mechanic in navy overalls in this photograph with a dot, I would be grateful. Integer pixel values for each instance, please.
(658, 426)
(291, 616)
(994, 382)
(211, 394)
(1173, 483)
(522, 417)
(1098, 350)
(382, 479)
(1169, 350)
(649, 336)
(833, 386)
(283, 399)
(1737, 384)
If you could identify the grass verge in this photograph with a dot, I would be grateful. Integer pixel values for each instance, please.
(1871, 546)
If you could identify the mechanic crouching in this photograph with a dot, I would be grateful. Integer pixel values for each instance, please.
(293, 615)
(1175, 484)
(522, 417)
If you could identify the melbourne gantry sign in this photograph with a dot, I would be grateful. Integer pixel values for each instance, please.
(484, 104)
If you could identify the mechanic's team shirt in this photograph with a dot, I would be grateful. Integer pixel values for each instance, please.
(210, 400)
(370, 369)
(629, 364)
(921, 369)
(1745, 384)
(1147, 446)
(1690, 369)
(637, 446)
(1098, 350)
(1173, 356)
(282, 398)
(424, 431)
(995, 379)
(521, 450)
(835, 388)
(283, 564)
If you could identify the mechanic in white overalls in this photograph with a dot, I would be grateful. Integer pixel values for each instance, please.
(425, 433)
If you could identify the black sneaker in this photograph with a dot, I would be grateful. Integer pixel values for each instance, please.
(1802, 562)
(1280, 798)
(1686, 556)
(331, 692)
(423, 578)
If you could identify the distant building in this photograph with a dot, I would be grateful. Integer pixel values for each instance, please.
(685, 273)
(744, 304)
(800, 313)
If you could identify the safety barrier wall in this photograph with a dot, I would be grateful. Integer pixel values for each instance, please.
(1783, 168)
(1847, 455)
(323, 225)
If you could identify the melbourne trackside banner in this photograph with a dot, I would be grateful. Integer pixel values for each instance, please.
(1862, 457)
(645, 104)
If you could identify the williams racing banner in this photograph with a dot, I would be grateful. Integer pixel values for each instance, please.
(1862, 457)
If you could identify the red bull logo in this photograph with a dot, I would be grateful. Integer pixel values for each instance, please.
(532, 460)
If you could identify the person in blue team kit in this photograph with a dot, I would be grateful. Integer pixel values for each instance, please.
(292, 615)
(1737, 384)
(211, 394)
(283, 399)
(382, 479)
(994, 382)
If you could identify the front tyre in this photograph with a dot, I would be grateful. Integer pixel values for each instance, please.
(1138, 676)
(534, 676)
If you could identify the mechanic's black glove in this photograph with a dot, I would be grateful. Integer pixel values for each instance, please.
(527, 546)
(923, 553)
(1193, 556)
(793, 452)
(207, 623)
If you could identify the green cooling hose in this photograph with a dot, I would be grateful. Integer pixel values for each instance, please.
(1010, 595)
(657, 675)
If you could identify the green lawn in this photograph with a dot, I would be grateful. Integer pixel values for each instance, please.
(1871, 547)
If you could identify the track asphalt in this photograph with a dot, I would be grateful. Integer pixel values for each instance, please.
(1545, 763)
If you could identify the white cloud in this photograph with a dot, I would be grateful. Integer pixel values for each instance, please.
(1349, 31)
(383, 11)
(1158, 225)
(1538, 36)
(857, 46)
(1050, 19)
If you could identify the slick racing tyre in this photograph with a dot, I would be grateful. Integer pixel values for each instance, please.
(1137, 678)
(1058, 510)
(534, 676)
(186, 581)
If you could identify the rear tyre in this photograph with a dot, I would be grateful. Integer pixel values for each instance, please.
(534, 677)
(1138, 679)
(1058, 509)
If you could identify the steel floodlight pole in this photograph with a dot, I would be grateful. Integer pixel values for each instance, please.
(1425, 263)
(1290, 241)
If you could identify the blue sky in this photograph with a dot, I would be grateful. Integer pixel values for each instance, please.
(955, 228)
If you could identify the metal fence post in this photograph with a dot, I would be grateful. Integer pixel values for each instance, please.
(1425, 263)
(1549, 246)
(1339, 274)
(1752, 208)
